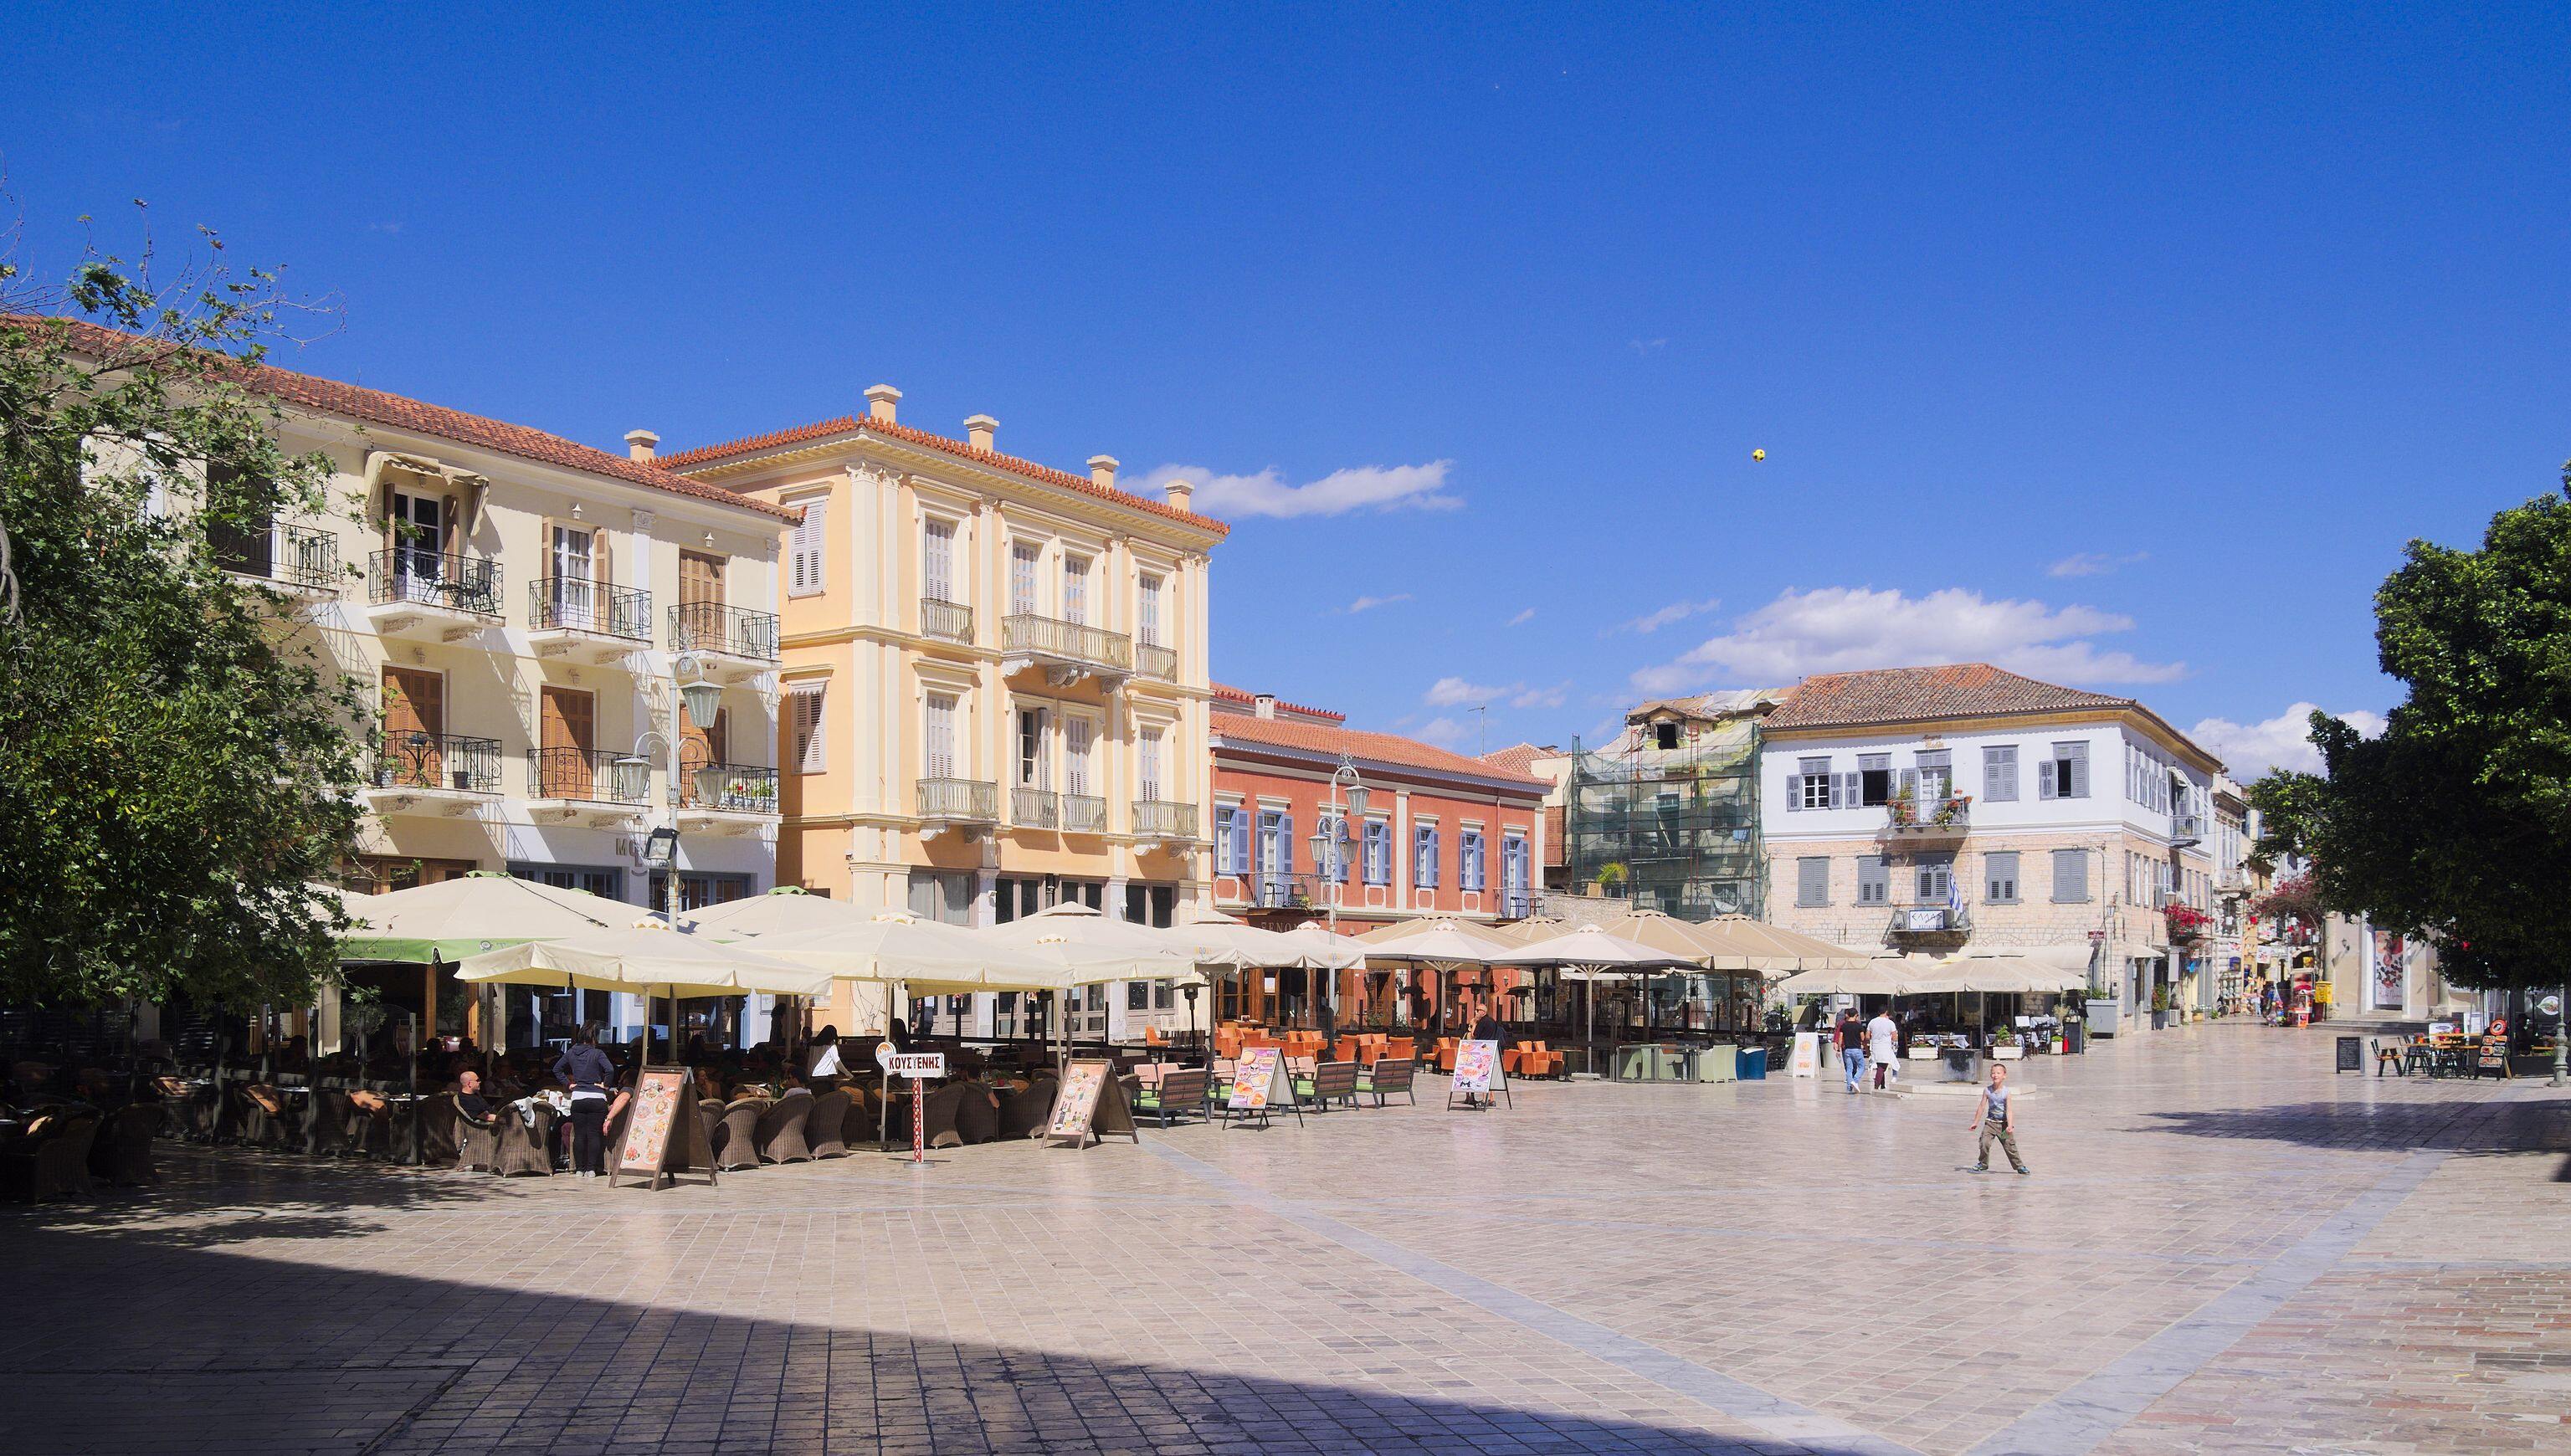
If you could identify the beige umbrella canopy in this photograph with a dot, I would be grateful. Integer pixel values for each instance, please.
(1662, 932)
(1088, 948)
(934, 958)
(1531, 929)
(1324, 950)
(1591, 948)
(646, 959)
(1216, 939)
(464, 917)
(1884, 975)
(786, 910)
(1438, 941)
(1737, 942)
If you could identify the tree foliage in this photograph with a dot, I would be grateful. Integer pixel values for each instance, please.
(2455, 823)
(175, 774)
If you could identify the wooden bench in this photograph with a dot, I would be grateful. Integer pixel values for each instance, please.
(1176, 1094)
(1385, 1076)
(1329, 1083)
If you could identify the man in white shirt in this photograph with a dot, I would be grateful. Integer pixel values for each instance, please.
(1883, 1048)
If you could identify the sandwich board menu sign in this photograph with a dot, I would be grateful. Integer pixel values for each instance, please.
(664, 1136)
(1089, 1105)
(1477, 1067)
(1259, 1082)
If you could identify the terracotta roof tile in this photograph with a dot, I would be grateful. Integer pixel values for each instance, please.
(704, 455)
(1329, 740)
(1520, 757)
(1226, 692)
(1911, 694)
(374, 406)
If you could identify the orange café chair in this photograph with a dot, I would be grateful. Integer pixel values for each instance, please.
(1445, 1054)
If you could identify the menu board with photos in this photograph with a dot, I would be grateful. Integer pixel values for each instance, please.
(663, 1135)
(1089, 1105)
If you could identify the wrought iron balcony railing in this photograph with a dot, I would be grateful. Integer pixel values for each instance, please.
(1947, 814)
(1066, 641)
(1156, 662)
(729, 788)
(425, 578)
(1516, 904)
(1035, 808)
(590, 775)
(1084, 814)
(293, 556)
(435, 760)
(966, 801)
(712, 627)
(1930, 917)
(1160, 818)
(569, 603)
(945, 621)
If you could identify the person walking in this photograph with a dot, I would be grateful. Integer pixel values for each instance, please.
(585, 1070)
(1995, 1118)
(1851, 1034)
(1883, 1048)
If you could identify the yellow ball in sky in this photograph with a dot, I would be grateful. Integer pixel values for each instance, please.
(1758, 454)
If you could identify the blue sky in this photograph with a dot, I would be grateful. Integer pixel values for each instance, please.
(2125, 346)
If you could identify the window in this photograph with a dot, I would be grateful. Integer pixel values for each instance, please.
(1378, 852)
(1470, 873)
(608, 882)
(1999, 877)
(1874, 880)
(1031, 746)
(1343, 856)
(937, 561)
(1665, 736)
(1874, 779)
(1513, 865)
(1137, 995)
(1075, 588)
(1230, 840)
(1812, 784)
(1999, 774)
(937, 738)
(810, 757)
(2069, 876)
(1935, 878)
(1935, 772)
(1423, 868)
(1147, 619)
(2065, 774)
(1022, 578)
(1078, 734)
(1275, 847)
(945, 896)
(1149, 753)
(1813, 881)
(804, 547)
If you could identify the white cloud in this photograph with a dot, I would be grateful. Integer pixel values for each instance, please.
(1356, 488)
(1847, 629)
(1540, 697)
(1445, 733)
(1645, 346)
(2284, 742)
(1368, 604)
(1455, 693)
(1654, 620)
(1523, 617)
(2094, 564)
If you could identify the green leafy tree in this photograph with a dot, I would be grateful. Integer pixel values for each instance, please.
(175, 772)
(2290, 803)
(2455, 823)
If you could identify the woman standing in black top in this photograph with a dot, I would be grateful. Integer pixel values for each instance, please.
(586, 1071)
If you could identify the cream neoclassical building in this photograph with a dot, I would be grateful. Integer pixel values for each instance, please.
(996, 672)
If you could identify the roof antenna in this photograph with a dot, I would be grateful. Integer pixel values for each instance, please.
(1482, 740)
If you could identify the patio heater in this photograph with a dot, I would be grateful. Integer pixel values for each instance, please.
(1330, 856)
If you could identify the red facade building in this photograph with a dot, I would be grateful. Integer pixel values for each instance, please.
(1440, 835)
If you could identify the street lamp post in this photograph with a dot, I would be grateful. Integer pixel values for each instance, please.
(1330, 856)
(699, 699)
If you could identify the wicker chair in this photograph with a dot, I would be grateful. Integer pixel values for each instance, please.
(325, 1125)
(263, 1117)
(937, 1115)
(738, 1146)
(525, 1150)
(977, 1116)
(122, 1151)
(826, 1131)
(1025, 1111)
(52, 1158)
(190, 1109)
(438, 1125)
(780, 1131)
(477, 1140)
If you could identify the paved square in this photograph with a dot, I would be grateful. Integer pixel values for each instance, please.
(2223, 1247)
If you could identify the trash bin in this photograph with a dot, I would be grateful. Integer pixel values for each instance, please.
(1754, 1064)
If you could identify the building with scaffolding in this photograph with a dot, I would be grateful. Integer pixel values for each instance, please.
(1668, 816)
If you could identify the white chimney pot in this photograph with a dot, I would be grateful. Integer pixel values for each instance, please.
(1102, 470)
(880, 398)
(978, 432)
(1181, 491)
(640, 445)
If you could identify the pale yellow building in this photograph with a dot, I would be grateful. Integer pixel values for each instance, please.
(996, 672)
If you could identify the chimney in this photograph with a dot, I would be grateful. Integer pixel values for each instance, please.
(1102, 470)
(978, 430)
(880, 398)
(638, 445)
(1264, 703)
(1181, 490)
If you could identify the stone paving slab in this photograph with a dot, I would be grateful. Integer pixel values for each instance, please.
(2224, 1246)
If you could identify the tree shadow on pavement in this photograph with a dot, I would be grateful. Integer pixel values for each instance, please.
(248, 1194)
(2382, 1127)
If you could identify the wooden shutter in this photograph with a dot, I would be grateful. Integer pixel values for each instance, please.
(2047, 777)
(803, 558)
(414, 702)
(701, 579)
(1813, 880)
(450, 527)
(2080, 772)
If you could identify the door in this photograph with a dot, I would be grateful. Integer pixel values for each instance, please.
(569, 734)
(414, 752)
(571, 585)
(417, 524)
(701, 600)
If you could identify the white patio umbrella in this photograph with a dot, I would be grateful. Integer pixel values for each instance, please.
(1324, 950)
(1217, 939)
(786, 910)
(1739, 943)
(1440, 944)
(472, 913)
(1884, 975)
(645, 958)
(1088, 948)
(895, 946)
(1591, 952)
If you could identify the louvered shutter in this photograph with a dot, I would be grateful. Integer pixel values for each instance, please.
(1848, 793)
(803, 566)
(2080, 773)
(2046, 776)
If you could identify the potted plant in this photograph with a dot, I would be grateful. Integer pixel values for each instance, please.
(1952, 808)
(2160, 1008)
(1611, 876)
(2103, 1011)
(1904, 807)
(2005, 1046)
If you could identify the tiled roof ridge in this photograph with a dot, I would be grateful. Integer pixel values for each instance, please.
(1893, 694)
(382, 408)
(1382, 747)
(913, 434)
(1228, 693)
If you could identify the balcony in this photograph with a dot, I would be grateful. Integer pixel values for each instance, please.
(1290, 892)
(297, 561)
(2185, 829)
(434, 775)
(1084, 814)
(741, 642)
(1035, 808)
(417, 593)
(587, 621)
(1165, 821)
(960, 805)
(1929, 818)
(1066, 651)
(1153, 661)
(591, 786)
(727, 798)
(1516, 904)
(945, 621)
(1928, 918)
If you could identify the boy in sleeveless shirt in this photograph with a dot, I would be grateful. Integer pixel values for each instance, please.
(1995, 1115)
